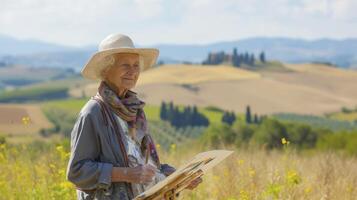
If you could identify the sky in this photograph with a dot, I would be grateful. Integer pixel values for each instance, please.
(148, 22)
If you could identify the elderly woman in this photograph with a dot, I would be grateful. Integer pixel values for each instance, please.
(113, 155)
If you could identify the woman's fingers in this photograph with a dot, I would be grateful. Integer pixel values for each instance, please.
(142, 173)
(149, 169)
(147, 173)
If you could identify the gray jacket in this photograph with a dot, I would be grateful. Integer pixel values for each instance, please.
(94, 151)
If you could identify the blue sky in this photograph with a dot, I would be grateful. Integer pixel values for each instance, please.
(84, 22)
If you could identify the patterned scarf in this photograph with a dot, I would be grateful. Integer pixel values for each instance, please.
(130, 109)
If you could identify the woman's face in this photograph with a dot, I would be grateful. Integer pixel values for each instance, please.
(125, 71)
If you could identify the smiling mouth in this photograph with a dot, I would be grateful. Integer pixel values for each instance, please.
(128, 79)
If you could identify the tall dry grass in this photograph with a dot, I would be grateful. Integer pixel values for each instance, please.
(38, 172)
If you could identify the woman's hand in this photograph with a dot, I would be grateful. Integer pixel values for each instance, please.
(139, 174)
(142, 173)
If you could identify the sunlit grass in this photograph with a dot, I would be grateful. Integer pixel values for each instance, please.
(152, 112)
(344, 116)
(69, 105)
(37, 171)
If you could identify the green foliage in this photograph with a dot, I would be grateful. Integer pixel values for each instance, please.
(236, 59)
(347, 110)
(2, 139)
(274, 134)
(262, 57)
(217, 135)
(63, 114)
(153, 113)
(342, 141)
(302, 136)
(19, 82)
(273, 66)
(316, 121)
(270, 132)
(35, 171)
(228, 117)
(244, 133)
(248, 115)
(34, 94)
(164, 134)
(214, 109)
(188, 117)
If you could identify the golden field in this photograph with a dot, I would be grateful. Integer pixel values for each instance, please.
(300, 88)
(39, 173)
(22, 120)
(312, 89)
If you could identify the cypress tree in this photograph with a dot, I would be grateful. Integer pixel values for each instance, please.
(252, 59)
(256, 119)
(248, 116)
(262, 57)
(246, 58)
(163, 111)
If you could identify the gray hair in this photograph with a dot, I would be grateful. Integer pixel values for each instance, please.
(109, 62)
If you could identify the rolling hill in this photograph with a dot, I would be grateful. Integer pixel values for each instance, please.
(312, 89)
(302, 89)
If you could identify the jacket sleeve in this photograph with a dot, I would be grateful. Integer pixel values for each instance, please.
(83, 168)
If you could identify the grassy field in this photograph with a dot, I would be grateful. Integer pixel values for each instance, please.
(35, 74)
(46, 90)
(152, 112)
(272, 66)
(332, 123)
(37, 171)
(34, 94)
(352, 116)
(189, 74)
(22, 120)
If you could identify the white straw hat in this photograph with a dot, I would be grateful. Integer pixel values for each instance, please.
(117, 43)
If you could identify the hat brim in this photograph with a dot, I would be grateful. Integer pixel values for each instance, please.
(95, 64)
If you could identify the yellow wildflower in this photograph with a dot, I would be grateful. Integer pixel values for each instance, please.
(251, 172)
(26, 120)
(173, 146)
(243, 195)
(284, 141)
(293, 177)
(308, 190)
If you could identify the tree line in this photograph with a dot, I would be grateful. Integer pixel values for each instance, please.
(230, 117)
(189, 116)
(235, 58)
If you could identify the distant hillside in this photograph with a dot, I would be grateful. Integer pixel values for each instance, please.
(338, 52)
(15, 76)
(15, 47)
